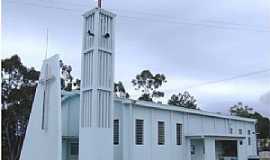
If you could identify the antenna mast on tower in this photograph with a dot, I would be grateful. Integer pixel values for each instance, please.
(99, 3)
(47, 39)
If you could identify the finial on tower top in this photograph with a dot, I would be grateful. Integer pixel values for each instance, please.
(99, 3)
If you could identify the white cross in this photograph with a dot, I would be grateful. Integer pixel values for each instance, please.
(45, 81)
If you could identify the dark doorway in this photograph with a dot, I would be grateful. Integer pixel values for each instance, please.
(226, 149)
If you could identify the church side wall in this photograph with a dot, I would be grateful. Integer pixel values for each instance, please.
(127, 149)
(70, 117)
(192, 125)
(118, 149)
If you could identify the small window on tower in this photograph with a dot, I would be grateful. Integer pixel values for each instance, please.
(90, 33)
(107, 35)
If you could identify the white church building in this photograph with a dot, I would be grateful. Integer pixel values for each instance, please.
(150, 131)
(93, 124)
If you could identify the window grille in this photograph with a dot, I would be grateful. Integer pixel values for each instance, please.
(74, 148)
(179, 134)
(139, 131)
(116, 132)
(161, 133)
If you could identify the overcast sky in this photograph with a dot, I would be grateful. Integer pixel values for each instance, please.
(191, 41)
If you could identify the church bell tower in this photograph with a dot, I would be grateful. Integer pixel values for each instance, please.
(97, 72)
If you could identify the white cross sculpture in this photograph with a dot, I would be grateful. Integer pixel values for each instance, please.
(45, 81)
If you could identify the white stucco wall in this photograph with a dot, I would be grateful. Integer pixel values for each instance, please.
(70, 116)
(193, 124)
(43, 136)
(198, 154)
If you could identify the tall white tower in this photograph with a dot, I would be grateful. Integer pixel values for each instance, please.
(97, 70)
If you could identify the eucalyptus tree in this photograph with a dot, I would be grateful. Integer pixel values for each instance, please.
(148, 84)
(183, 100)
(18, 89)
(119, 90)
(262, 124)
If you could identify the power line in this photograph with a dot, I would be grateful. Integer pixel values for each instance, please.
(168, 21)
(43, 6)
(230, 78)
(194, 24)
(205, 21)
(166, 16)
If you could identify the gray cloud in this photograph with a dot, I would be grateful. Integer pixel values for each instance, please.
(265, 99)
(190, 41)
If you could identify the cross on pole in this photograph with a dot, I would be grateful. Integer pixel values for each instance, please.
(45, 81)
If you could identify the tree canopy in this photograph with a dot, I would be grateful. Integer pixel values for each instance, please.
(183, 100)
(149, 84)
(68, 83)
(263, 123)
(240, 110)
(119, 90)
(18, 90)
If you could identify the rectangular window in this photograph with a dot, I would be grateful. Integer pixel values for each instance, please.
(116, 132)
(249, 132)
(240, 131)
(231, 131)
(161, 133)
(139, 132)
(249, 141)
(178, 134)
(74, 149)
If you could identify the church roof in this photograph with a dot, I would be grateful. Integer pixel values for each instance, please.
(67, 95)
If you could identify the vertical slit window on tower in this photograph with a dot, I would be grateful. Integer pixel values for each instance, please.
(139, 131)
(178, 134)
(161, 133)
(116, 132)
